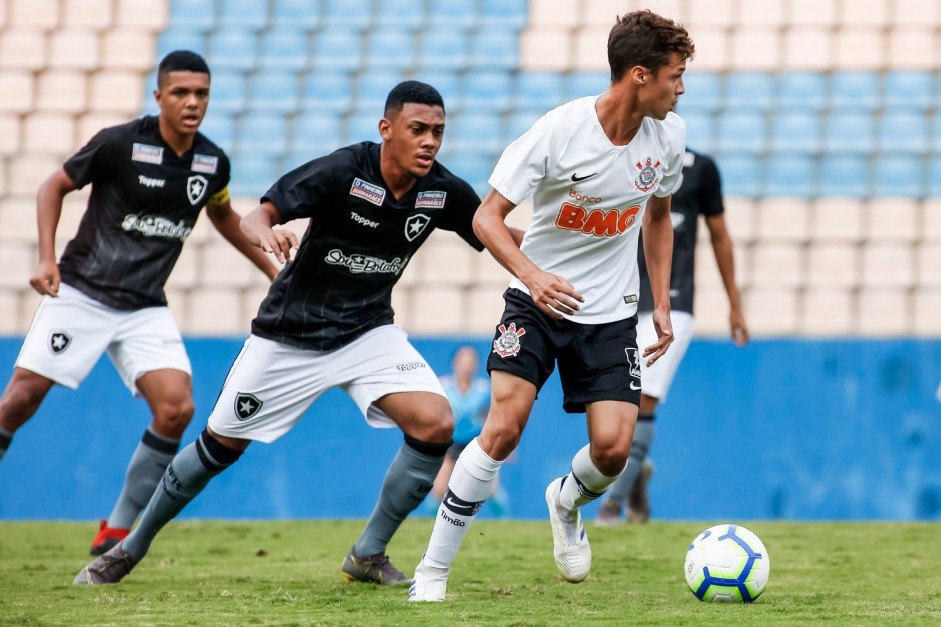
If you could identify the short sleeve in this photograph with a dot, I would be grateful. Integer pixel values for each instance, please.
(90, 163)
(524, 162)
(459, 214)
(675, 128)
(300, 192)
(709, 192)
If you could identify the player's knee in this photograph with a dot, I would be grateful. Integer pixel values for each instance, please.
(431, 424)
(171, 416)
(439, 428)
(610, 460)
(501, 437)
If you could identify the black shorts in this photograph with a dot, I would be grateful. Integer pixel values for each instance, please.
(597, 362)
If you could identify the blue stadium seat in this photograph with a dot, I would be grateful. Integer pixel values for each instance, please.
(520, 121)
(284, 47)
(903, 130)
(475, 168)
(262, 133)
(934, 176)
(742, 130)
(404, 13)
(849, 132)
(303, 14)
(443, 49)
(899, 175)
(802, 90)
(219, 127)
(487, 91)
(180, 38)
(910, 88)
(348, 14)
(703, 92)
(855, 90)
(390, 48)
(844, 175)
(700, 130)
(327, 90)
(494, 48)
(504, 13)
(337, 49)
(227, 91)
(475, 132)
(193, 14)
(750, 89)
(273, 90)
(447, 83)
(790, 175)
(372, 89)
(316, 134)
(363, 125)
(796, 130)
(253, 174)
(538, 90)
(452, 13)
(232, 48)
(580, 84)
(242, 13)
(741, 174)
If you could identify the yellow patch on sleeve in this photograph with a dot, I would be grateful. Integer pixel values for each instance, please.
(220, 198)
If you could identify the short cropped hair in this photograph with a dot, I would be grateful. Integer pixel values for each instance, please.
(412, 91)
(646, 39)
(181, 61)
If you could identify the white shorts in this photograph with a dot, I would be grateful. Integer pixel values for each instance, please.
(70, 332)
(271, 385)
(655, 381)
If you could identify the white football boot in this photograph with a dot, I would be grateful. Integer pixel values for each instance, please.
(571, 549)
(429, 583)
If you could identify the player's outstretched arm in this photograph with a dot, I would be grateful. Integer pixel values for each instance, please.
(226, 221)
(49, 198)
(257, 227)
(551, 293)
(725, 259)
(658, 251)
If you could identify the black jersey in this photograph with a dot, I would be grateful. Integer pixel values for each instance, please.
(700, 193)
(358, 242)
(144, 202)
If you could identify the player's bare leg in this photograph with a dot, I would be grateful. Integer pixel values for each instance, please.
(611, 511)
(426, 420)
(169, 393)
(21, 398)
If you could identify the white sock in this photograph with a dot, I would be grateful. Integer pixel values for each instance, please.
(470, 484)
(584, 483)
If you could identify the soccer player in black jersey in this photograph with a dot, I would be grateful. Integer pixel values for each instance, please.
(328, 322)
(150, 180)
(699, 194)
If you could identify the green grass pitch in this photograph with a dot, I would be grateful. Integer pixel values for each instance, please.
(287, 573)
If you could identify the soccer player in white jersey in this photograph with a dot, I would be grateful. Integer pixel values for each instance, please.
(597, 168)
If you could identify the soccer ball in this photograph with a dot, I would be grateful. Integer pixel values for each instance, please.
(727, 563)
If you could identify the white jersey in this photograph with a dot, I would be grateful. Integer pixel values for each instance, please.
(589, 197)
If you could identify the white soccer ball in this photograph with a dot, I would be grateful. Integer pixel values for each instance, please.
(727, 563)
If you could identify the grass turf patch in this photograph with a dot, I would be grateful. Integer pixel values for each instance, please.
(288, 573)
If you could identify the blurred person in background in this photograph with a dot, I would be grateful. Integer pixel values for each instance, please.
(469, 395)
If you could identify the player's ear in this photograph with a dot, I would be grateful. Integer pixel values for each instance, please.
(385, 129)
(639, 74)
